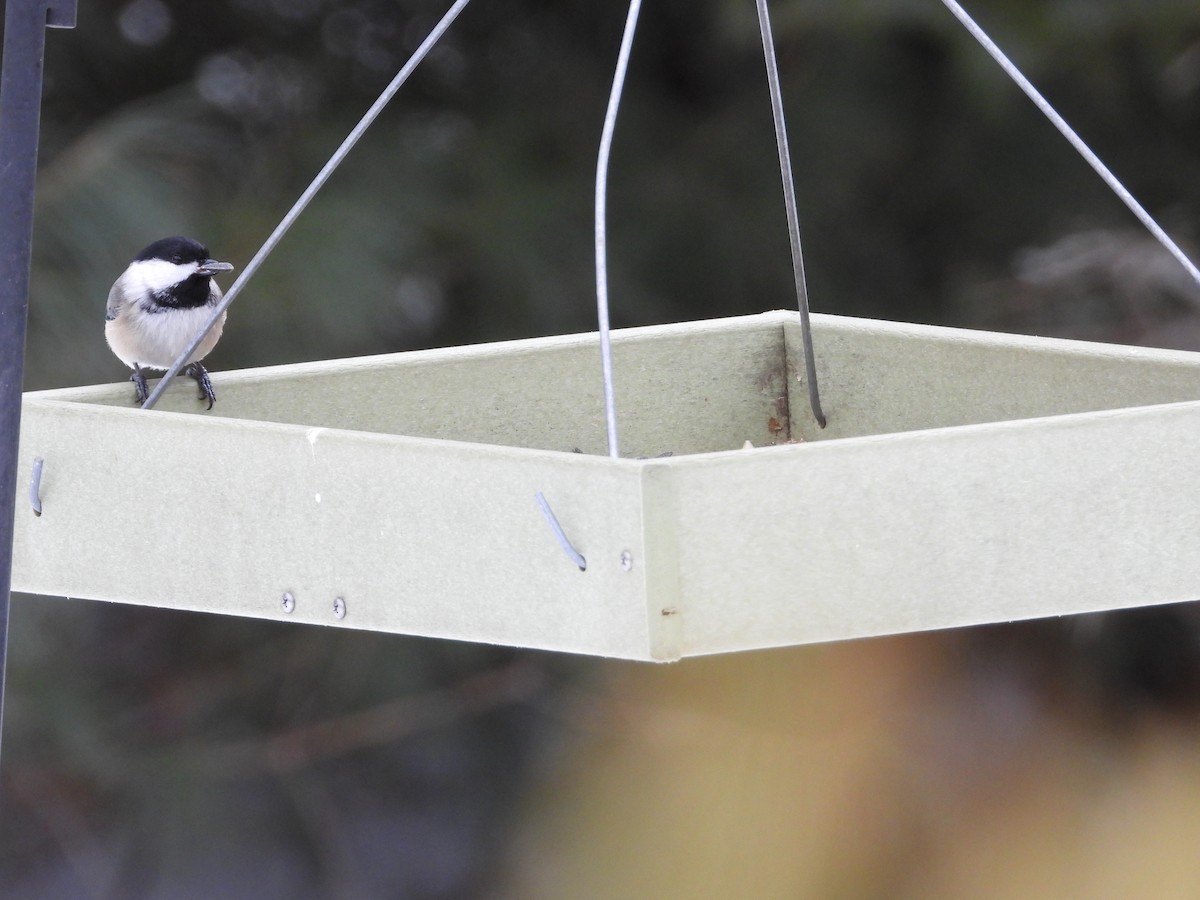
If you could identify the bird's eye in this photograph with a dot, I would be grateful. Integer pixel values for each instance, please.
(177, 259)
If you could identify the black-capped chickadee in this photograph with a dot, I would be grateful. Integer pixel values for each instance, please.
(159, 304)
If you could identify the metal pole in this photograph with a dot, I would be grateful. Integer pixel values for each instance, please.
(25, 22)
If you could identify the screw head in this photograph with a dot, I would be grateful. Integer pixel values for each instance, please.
(339, 608)
(626, 560)
(289, 602)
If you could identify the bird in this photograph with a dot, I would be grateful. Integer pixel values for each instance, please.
(157, 307)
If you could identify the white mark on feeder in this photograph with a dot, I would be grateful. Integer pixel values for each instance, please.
(318, 497)
(312, 434)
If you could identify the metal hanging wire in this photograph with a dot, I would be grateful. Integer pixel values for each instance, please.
(311, 191)
(789, 197)
(793, 216)
(1072, 136)
(606, 138)
(605, 151)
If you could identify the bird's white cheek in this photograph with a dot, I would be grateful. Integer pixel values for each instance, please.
(153, 275)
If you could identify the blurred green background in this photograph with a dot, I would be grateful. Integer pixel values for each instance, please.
(158, 754)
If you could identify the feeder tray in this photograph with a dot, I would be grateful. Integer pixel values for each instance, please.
(965, 477)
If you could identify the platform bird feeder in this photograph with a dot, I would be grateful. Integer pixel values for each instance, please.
(964, 477)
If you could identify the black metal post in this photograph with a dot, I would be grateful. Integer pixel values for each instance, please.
(25, 22)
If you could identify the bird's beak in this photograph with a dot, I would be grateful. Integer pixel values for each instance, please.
(212, 267)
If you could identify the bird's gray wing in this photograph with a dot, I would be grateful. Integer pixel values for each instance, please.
(116, 301)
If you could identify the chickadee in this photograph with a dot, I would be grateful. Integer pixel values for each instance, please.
(158, 305)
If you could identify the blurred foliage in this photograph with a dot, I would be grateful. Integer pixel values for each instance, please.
(155, 754)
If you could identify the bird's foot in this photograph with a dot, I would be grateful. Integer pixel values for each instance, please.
(197, 371)
(139, 384)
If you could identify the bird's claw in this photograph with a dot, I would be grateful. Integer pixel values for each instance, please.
(139, 384)
(197, 371)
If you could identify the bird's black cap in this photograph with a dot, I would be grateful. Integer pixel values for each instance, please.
(176, 249)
